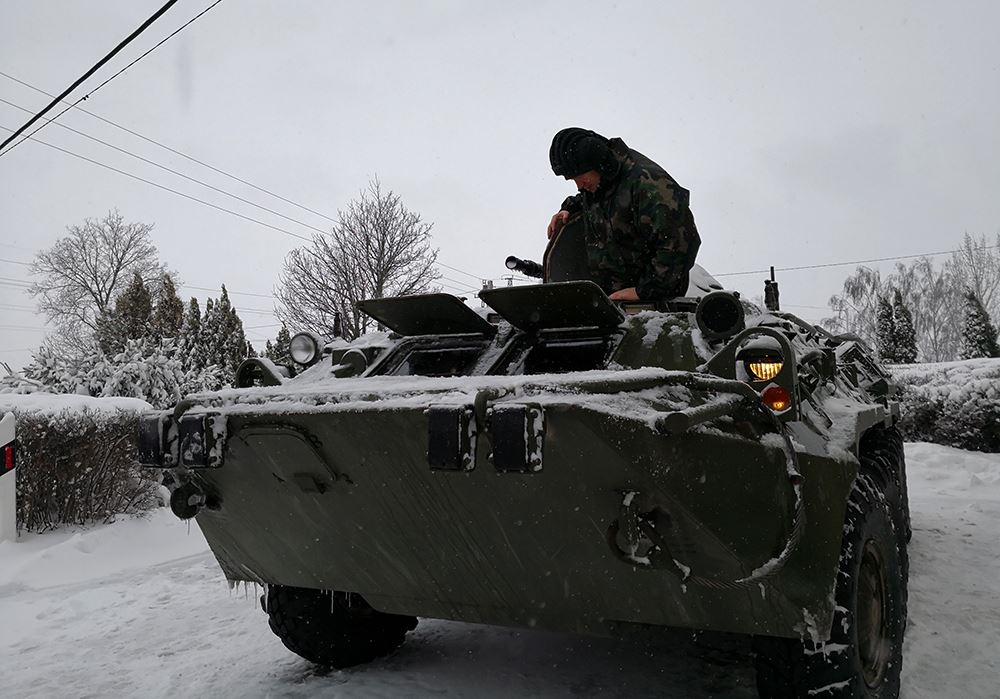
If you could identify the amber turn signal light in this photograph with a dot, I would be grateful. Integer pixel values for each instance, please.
(776, 398)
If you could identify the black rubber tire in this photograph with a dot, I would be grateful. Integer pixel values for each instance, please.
(882, 449)
(863, 657)
(334, 629)
(883, 457)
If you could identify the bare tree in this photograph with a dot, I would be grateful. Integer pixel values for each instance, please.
(83, 273)
(933, 295)
(377, 248)
(977, 265)
(856, 309)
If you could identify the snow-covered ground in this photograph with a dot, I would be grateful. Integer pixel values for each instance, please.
(140, 609)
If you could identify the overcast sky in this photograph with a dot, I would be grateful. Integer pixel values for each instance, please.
(807, 132)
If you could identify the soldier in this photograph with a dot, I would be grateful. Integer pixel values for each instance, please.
(641, 237)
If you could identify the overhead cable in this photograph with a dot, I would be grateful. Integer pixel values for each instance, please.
(175, 151)
(125, 42)
(845, 264)
(27, 283)
(233, 293)
(168, 189)
(460, 271)
(175, 172)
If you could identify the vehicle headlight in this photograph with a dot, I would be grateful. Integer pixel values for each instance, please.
(305, 348)
(763, 369)
(762, 359)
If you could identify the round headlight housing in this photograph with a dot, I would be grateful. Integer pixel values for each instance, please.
(762, 359)
(305, 348)
(720, 315)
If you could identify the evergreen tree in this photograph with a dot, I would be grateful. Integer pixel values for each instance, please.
(188, 344)
(134, 308)
(207, 337)
(279, 352)
(235, 348)
(129, 320)
(223, 341)
(979, 336)
(904, 337)
(885, 330)
(168, 317)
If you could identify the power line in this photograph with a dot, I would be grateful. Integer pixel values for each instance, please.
(175, 151)
(168, 189)
(818, 308)
(15, 282)
(25, 282)
(125, 42)
(453, 288)
(233, 293)
(845, 264)
(174, 172)
(192, 159)
(455, 281)
(15, 262)
(195, 199)
(455, 269)
(253, 312)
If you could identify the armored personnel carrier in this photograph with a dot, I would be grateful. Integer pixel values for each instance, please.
(560, 462)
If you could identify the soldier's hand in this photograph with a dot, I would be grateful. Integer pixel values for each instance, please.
(557, 222)
(627, 295)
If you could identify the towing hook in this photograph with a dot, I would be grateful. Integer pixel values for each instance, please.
(187, 500)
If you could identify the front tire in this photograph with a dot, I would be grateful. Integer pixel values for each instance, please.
(334, 629)
(863, 657)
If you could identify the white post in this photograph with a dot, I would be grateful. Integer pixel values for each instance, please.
(8, 491)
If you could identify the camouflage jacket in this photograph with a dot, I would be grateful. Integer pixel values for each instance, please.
(640, 231)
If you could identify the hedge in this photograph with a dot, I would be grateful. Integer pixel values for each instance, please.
(76, 460)
(953, 403)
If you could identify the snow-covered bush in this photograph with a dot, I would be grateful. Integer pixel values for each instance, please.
(77, 460)
(953, 403)
(151, 371)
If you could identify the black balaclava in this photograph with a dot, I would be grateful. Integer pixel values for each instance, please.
(575, 151)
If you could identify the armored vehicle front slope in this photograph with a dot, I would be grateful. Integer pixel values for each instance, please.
(566, 464)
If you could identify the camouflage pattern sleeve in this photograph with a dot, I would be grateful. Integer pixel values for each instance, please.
(664, 221)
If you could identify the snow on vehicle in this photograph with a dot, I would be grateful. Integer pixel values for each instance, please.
(568, 464)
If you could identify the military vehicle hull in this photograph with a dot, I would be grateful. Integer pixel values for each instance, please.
(562, 466)
(345, 499)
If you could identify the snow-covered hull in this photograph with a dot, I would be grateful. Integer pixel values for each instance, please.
(613, 521)
(562, 466)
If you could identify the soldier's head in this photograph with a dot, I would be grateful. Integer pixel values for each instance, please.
(583, 156)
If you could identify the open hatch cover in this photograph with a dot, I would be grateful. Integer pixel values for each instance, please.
(576, 304)
(426, 314)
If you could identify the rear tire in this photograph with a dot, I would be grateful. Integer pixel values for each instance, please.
(863, 657)
(334, 629)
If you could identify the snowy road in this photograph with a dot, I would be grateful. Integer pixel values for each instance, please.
(140, 609)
